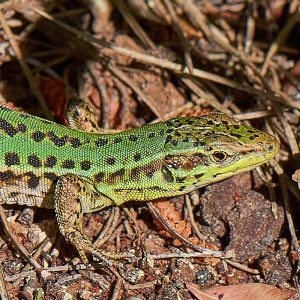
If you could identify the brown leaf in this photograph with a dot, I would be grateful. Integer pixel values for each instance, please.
(173, 217)
(53, 91)
(249, 291)
(193, 288)
(163, 95)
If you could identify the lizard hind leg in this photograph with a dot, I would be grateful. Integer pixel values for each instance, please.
(71, 201)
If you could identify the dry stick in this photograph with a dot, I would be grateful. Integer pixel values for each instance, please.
(36, 63)
(22, 275)
(109, 227)
(242, 267)
(197, 19)
(281, 37)
(21, 249)
(184, 255)
(27, 31)
(210, 99)
(291, 185)
(213, 59)
(287, 128)
(141, 285)
(214, 93)
(170, 229)
(232, 106)
(288, 131)
(136, 225)
(283, 49)
(254, 115)
(291, 77)
(128, 228)
(24, 66)
(49, 64)
(69, 267)
(118, 240)
(117, 288)
(133, 24)
(177, 68)
(64, 268)
(105, 106)
(283, 133)
(123, 77)
(64, 280)
(286, 183)
(53, 50)
(250, 26)
(186, 47)
(191, 216)
(274, 203)
(295, 151)
(286, 203)
(176, 112)
(283, 183)
(37, 253)
(214, 90)
(3, 292)
(276, 125)
(225, 266)
(70, 13)
(212, 32)
(267, 178)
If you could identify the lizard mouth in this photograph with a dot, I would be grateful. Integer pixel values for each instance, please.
(266, 150)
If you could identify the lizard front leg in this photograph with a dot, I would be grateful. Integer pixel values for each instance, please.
(73, 196)
(81, 116)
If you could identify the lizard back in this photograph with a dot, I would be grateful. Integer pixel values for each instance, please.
(35, 151)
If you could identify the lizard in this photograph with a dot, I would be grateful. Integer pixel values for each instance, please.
(78, 169)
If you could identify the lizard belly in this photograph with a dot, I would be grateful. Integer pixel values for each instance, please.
(27, 188)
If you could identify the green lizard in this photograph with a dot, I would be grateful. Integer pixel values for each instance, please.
(78, 170)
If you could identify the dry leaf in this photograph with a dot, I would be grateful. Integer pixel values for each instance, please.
(169, 211)
(249, 291)
(173, 217)
(163, 95)
(53, 91)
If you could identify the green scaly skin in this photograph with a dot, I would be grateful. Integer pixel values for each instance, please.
(45, 164)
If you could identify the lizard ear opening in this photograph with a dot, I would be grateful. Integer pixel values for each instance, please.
(167, 174)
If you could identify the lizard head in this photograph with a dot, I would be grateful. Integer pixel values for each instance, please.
(203, 150)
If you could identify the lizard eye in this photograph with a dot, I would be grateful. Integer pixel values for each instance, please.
(219, 156)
